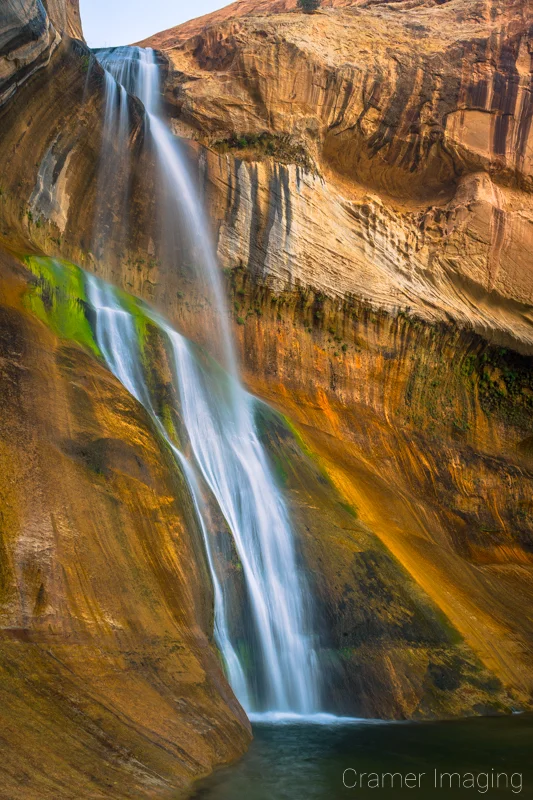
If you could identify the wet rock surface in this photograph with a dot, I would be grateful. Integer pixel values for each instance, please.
(109, 681)
(368, 175)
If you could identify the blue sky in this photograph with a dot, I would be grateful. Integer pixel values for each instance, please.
(111, 22)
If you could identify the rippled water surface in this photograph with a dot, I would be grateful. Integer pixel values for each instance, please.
(307, 762)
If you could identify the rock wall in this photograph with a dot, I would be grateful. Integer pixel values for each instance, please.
(369, 176)
(375, 234)
(386, 646)
(110, 686)
(65, 15)
(27, 41)
(110, 683)
(426, 431)
(416, 119)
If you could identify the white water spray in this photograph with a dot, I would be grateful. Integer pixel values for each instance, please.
(226, 452)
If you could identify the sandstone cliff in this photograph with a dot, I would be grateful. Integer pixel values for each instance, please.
(65, 16)
(111, 685)
(416, 120)
(368, 171)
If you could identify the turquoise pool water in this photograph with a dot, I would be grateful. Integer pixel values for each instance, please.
(309, 762)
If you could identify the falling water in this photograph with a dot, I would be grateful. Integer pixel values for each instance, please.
(112, 187)
(226, 455)
(136, 70)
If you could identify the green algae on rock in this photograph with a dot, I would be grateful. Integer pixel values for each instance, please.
(58, 298)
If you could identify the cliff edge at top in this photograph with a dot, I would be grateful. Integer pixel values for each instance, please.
(248, 8)
(65, 14)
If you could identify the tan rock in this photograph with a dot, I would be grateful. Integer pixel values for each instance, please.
(363, 234)
(108, 677)
(65, 14)
(27, 41)
(405, 103)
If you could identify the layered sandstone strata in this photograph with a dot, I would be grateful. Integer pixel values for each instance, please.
(367, 233)
(369, 172)
(109, 683)
(416, 119)
(65, 15)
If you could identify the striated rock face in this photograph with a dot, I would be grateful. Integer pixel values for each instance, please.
(417, 117)
(253, 8)
(387, 647)
(65, 15)
(426, 431)
(29, 37)
(110, 683)
(368, 174)
(27, 41)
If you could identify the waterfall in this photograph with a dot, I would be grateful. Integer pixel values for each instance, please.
(112, 185)
(271, 666)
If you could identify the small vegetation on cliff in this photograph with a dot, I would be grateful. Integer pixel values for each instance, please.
(309, 6)
(256, 147)
(86, 62)
(505, 381)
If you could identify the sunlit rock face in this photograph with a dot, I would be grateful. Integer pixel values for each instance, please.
(29, 36)
(108, 678)
(27, 40)
(365, 225)
(369, 174)
(417, 119)
(51, 132)
(51, 154)
(65, 15)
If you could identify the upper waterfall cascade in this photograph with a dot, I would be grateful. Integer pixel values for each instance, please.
(224, 456)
